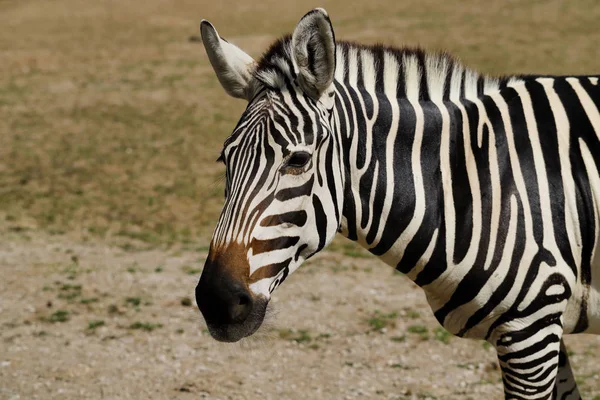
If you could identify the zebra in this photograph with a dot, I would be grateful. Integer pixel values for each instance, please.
(483, 190)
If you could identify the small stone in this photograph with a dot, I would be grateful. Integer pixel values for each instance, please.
(186, 302)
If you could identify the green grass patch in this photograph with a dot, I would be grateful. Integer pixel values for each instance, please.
(300, 336)
(417, 329)
(400, 366)
(69, 291)
(59, 316)
(95, 324)
(420, 330)
(71, 271)
(145, 326)
(442, 335)
(379, 320)
(133, 301)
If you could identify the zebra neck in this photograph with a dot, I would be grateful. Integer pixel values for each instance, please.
(398, 115)
(397, 156)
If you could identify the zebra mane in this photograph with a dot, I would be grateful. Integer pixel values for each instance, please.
(422, 75)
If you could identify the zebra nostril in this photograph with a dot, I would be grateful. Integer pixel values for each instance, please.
(244, 299)
(241, 308)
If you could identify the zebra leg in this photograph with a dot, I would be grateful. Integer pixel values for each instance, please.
(566, 387)
(529, 360)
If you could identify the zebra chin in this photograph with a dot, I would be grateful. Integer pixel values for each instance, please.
(235, 331)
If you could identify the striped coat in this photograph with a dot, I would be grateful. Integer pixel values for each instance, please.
(482, 190)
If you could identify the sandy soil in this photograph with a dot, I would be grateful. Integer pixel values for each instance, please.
(340, 328)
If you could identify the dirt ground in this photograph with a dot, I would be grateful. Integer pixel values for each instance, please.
(110, 123)
(93, 321)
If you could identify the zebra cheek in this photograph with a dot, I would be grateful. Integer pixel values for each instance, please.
(263, 288)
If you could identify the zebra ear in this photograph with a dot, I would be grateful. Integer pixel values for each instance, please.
(232, 65)
(313, 50)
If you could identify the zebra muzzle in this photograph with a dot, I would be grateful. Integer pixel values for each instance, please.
(230, 309)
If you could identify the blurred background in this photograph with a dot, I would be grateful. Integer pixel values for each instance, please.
(110, 124)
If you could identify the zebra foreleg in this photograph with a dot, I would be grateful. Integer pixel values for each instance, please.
(566, 387)
(529, 360)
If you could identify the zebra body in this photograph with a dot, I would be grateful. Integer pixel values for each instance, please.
(484, 191)
(491, 224)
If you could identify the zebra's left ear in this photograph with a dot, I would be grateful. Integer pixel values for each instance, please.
(313, 50)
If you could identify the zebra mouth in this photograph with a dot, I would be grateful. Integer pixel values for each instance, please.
(234, 332)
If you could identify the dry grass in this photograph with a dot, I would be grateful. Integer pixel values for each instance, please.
(111, 119)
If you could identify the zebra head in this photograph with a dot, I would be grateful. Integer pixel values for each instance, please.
(284, 178)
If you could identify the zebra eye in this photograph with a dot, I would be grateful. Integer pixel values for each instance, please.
(298, 159)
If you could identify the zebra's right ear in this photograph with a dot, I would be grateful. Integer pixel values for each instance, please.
(313, 50)
(232, 65)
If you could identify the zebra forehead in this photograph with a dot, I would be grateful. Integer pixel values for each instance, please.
(279, 119)
(252, 126)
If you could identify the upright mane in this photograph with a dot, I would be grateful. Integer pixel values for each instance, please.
(422, 75)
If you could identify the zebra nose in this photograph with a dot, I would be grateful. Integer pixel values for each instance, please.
(223, 301)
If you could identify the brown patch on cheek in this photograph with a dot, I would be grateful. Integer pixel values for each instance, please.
(232, 260)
